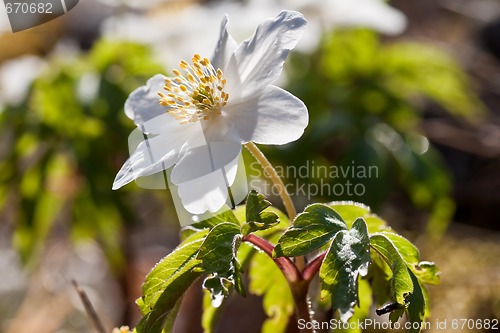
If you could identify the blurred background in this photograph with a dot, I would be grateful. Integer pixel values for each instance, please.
(411, 87)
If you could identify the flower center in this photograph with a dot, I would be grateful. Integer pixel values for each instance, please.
(196, 93)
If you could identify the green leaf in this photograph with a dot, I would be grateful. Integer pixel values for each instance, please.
(311, 229)
(167, 282)
(218, 255)
(347, 258)
(417, 307)
(362, 311)
(401, 282)
(227, 215)
(172, 315)
(256, 217)
(211, 313)
(267, 280)
(380, 275)
(350, 211)
(426, 272)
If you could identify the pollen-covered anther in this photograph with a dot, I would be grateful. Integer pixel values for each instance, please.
(196, 92)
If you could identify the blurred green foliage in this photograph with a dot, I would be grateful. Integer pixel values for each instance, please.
(365, 100)
(64, 144)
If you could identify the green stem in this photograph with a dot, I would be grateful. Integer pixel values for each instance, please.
(292, 272)
(284, 195)
(275, 178)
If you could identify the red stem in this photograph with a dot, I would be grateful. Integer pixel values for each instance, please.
(299, 282)
(288, 268)
(313, 267)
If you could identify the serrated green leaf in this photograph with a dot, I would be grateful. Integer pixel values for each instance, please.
(211, 313)
(401, 282)
(362, 311)
(267, 280)
(347, 258)
(313, 228)
(350, 211)
(167, 282)
(256, 217)
(426, 272)
(218, 255)
(218, 246)
(226, 215)
(417, 308)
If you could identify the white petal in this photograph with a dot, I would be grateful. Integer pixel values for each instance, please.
(153, 155)
(205, 159)
(210, 191)
(225, 47)
(143, 103)
(258, 61)
(274, 117)
(207, 193)
(167, 124)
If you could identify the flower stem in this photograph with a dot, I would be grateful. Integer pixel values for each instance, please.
(275, 178)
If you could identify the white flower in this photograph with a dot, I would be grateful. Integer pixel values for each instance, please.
(134, 3)
(191, 28)
(199, 119)
(328, 14)
(16, 77)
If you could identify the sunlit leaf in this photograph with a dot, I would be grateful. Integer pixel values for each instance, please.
(426, 272)
(402, 285)
(417, 307)
(311, 229)
(218, 254)
(346, 260)
(167, 282)
(350, 211)
(257, 217)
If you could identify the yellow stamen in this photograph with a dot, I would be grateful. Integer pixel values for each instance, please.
(196, 92)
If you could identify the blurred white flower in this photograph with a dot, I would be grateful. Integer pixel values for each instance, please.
(135, 3)
(178, 34)
(16, 77)
(88, 87)
(329, 14)
(200, 118)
